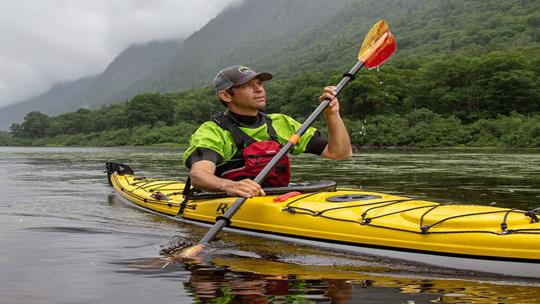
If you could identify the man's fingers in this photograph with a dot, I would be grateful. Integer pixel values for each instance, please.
(329, 92)
(237, 192)
(250, 187)
(250, 183)
(330, 88)
(243, 194)
(327, 96)
(255, 186)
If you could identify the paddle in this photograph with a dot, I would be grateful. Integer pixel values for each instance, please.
(377, 47)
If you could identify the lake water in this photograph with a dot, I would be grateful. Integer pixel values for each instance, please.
(65, 239)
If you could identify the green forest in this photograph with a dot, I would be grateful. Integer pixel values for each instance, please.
(468, 79)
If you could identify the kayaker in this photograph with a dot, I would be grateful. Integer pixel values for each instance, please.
(227, 152)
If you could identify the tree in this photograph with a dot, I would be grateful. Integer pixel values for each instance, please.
(148, 109)
(76, 122)
(34, 125)
(111, 117)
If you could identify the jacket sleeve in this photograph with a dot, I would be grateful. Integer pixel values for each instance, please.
(209, 142)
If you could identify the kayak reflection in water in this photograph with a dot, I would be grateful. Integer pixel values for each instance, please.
(228, 151)
(230, 279)
(212, 284)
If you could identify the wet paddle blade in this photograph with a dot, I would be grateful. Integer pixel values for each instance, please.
(378, 46)
(190, 252)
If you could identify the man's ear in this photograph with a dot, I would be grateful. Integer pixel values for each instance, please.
(223, 95)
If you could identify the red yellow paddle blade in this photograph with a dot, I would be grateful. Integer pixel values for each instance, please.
(378, 45)
(190, 252)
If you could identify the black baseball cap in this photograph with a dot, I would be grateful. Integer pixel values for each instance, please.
(237, 75)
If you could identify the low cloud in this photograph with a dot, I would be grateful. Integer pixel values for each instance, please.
(49, 41)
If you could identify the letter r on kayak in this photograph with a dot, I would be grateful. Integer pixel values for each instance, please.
(222, 208)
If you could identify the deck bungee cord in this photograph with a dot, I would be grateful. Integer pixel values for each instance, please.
(471, 237)
(422, 228)
(151, 185)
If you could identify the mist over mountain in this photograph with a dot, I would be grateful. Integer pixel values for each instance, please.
(56, 100)
(130, 66)
(92, 91)
(240, 34)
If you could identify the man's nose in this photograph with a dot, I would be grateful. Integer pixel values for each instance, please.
(257, 87)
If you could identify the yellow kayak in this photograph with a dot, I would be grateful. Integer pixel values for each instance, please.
(471, 237)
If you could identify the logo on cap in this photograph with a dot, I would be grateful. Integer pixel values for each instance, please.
(246, 70)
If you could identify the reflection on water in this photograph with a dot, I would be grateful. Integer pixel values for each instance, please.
(64, 239)
(234, 279)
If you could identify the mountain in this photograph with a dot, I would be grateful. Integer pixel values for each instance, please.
(56, 100)
(92, 91)
(423, 30)
(240, 34)
(132, 64)
(292, 37)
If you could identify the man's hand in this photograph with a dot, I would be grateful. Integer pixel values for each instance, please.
(246, 188)
(202, 177)
(339, 143)
(329, 92)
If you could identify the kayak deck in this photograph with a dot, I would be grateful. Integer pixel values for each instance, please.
(357, 219)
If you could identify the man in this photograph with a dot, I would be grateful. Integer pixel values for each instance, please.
(217, 156)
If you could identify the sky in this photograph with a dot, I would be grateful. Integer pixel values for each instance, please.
(44, 42)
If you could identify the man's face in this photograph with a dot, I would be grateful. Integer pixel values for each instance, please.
(250, 96)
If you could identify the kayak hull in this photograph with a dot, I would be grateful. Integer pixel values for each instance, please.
(477, 238)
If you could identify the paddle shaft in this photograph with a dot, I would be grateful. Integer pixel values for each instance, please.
(222, 221)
